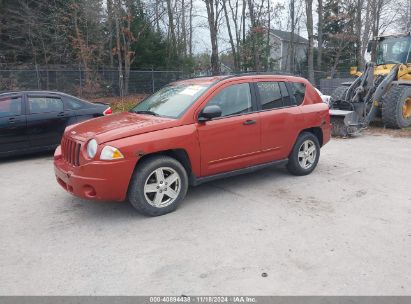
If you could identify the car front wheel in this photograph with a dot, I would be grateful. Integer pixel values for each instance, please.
(305, 154)
(158, 185)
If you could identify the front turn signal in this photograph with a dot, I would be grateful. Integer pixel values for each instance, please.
(110, 153)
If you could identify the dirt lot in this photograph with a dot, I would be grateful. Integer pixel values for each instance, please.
(345, 229)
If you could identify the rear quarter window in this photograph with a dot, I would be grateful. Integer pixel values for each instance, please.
(74, 104)
(298, 91)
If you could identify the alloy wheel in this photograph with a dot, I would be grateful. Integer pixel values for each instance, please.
(307, 154)
(162, 187)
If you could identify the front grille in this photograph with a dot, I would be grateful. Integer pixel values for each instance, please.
(71, 151)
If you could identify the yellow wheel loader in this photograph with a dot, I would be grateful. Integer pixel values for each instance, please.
(382, 90)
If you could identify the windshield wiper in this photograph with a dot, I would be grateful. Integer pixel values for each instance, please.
(146, 112)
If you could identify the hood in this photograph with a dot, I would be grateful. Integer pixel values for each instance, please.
(116, 126)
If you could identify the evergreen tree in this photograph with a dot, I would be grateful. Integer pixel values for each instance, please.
(338, 36)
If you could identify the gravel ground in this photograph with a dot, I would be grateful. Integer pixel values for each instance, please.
(343, 230)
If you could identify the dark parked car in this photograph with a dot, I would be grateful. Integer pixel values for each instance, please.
(34, 121)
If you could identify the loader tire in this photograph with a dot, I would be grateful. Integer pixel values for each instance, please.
(339, 93)
(396, 107)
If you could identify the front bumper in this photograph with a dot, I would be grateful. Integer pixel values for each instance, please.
(98, 180)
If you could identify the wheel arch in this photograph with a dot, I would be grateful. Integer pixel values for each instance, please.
(178, 154)
(317, 131)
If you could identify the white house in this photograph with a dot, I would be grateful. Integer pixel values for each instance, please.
(284, 55)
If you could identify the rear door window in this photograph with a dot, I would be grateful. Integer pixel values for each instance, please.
(270, 95)
(10, 106)
(287, 100)
(45, 104)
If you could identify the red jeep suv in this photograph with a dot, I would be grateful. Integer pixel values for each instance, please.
(190, 132)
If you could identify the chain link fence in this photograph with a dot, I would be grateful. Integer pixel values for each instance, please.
(105, 82)
(81, 83)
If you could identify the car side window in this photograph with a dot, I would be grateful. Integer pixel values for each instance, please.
(233, 100)
(270, 95)
(73, 104)
(10, 106)
(45, 104)
(298, 90)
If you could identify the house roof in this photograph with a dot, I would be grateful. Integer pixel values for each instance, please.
(286, 36)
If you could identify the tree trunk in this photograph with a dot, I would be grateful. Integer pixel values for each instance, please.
(81, 45)
(336, 62)
(253, 36)
(110, 31)
(290, 57)
(376, 27)
(320, 35)
(183, 29)
(118, 51)
(230, 35)
(243, 20)
(267, 47)
(358, 27)
(157, 16)
(234, 15)
(367, 29)
(191, 29)
(310, 30)
(171, 29)
(212, 16)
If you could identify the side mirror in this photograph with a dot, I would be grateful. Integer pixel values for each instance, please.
(370, 45)
(209, 112)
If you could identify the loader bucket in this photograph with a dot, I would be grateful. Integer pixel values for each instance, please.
(344, 123)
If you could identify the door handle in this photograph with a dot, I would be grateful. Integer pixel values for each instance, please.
(12, 120)
(250, 122)
(61, 114)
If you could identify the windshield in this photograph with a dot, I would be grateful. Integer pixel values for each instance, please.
(393, 50)
(170, 101)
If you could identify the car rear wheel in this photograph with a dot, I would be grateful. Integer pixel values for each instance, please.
(158, 185)
(305, 154)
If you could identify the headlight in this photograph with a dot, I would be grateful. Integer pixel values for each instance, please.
(92, 148)
(110, 153)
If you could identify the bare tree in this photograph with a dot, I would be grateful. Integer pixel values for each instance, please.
(367, 31)
(254, 30)
(230, 35)
(234, 9)
(183, 28)
(310, 30)
(190, 40)
(358, 33)
(213, 17)
(267, 46)
(171, 28)
(243, 17)
(289, 62)
(320, 34)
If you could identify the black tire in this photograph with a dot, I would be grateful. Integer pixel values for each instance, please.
(294, 166)
(339, 93)
(393, 101)
(143, 171)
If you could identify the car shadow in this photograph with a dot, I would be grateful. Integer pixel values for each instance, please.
(26, 157)
(248, 180)
(85, 210)
(108, 210)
